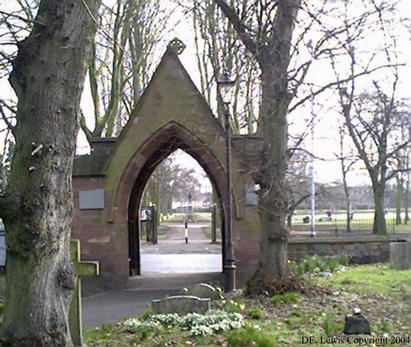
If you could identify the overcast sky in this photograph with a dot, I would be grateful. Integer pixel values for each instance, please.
(326, 132)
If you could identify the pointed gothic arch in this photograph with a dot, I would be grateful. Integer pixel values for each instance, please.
(170, 114)
(160, 145)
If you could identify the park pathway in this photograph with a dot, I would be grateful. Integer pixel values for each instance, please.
(173, 255)
(166, 268)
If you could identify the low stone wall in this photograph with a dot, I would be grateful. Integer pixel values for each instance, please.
(362, 250)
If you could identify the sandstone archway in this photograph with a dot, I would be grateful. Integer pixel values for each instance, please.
(170, 114)
(160, 145)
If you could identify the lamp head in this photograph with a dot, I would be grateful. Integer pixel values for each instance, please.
(225, 86)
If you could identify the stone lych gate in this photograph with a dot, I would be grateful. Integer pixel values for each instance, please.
(108, 184)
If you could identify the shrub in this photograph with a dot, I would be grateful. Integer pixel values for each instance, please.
(328, 324)
(233, 307)
(287, 298)
(146, 314)
(344, 260)
(310, 264)
(301, 268)
(291, 297)
(333, 263)
(276, 300)
(255, 314)
(107, 328)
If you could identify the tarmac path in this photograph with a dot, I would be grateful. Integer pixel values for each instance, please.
(173, 255)
(166, 268)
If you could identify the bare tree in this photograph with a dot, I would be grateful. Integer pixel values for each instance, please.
(369, 108)
(270, 44)
(266, 30)
(218, 52)
(372, 128)
(299, 183)
(169, 182)
(16, 21)
(47, 77)
(401, 159)
(121, 62)
(346, 161)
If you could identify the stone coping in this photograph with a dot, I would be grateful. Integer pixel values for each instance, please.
(181, 297)
(346, 239)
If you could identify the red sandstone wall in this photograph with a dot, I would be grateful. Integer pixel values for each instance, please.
(99, 239)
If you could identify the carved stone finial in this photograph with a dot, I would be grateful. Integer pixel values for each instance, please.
(177, 45)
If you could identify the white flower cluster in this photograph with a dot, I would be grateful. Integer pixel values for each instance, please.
(135, 325)
(213, 321)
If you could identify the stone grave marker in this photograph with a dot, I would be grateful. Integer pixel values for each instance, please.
(204, 290)
(356, 324)
(83, 268)
(400, 255)
(181, 304)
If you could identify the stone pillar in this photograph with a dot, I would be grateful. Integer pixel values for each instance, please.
(400, 255)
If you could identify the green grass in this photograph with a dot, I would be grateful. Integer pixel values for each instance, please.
(372, 279)
(255, 314)
(379, 291)
(250, 337)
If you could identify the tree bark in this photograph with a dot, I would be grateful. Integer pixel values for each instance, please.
(398, 202)
(290, 219)
(347, 201)
(406, 190)
(48, 76)
(273, 200)
(273, 56)
(379, 226)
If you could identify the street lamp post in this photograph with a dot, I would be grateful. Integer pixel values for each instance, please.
(312, 229)
(225, 87)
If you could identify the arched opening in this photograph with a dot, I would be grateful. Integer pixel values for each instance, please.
(176, 221)
(164, 142)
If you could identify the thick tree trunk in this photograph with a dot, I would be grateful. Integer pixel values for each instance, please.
(273, 56)
(273, 199)
(348, 217)
(348, 204)
(398, 202)
(272, 205)
(406, 190)
(379, 226)
(48, 78)
(345, 184)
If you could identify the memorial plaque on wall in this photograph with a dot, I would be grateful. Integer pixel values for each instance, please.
(91, 199)
(251, 198)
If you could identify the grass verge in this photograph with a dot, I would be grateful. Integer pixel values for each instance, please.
(288, 319)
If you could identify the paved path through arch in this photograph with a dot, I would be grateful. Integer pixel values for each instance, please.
(167, 267)
(173, 255)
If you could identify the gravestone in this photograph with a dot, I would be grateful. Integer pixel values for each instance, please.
(400, 255)
(181, 304)
(204, 290)
(356, 324)
(83, 268)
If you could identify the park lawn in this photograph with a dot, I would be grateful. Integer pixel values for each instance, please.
(383, 295)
